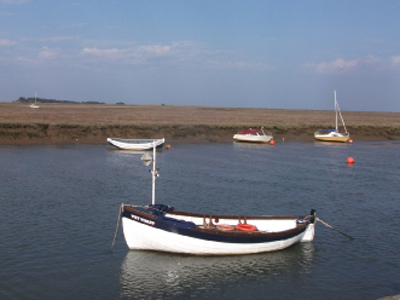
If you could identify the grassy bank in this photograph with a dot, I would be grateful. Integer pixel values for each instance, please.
(72, 123)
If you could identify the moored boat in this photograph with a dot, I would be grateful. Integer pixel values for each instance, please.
(135, 144)
(253, 136)
(333, 135)
(159, 227)
(34, 105)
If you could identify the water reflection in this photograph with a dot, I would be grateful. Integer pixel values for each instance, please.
(163, 275)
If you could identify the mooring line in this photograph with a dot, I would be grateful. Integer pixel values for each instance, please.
(331, 227)
(116, 229)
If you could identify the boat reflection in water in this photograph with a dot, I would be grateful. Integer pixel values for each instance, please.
(157, 275)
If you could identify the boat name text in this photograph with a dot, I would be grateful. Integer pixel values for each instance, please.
(143, 220)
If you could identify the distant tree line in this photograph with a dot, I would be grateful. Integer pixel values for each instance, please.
(41, 100)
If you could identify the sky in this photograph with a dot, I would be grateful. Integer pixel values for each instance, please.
(285, 54)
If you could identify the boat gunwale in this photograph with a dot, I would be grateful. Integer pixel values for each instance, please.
(219, 216)
(135, 141)
(213, 231)
(138, 212)
(300, 228)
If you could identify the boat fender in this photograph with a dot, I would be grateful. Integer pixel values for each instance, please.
(225, 227)
(246, 227)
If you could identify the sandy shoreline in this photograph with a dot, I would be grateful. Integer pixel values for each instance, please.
(92, 124)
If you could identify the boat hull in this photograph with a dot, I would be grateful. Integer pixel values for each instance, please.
(135, 144)
(331, 137)
(189, 234)
(252, 138)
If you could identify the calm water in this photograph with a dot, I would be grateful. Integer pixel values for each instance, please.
(59, 209)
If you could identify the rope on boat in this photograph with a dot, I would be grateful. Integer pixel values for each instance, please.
(331, 227)
(116, 229)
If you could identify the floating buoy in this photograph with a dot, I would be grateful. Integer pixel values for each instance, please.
(350, 141)
(168, 147)
(272, 143)
(350, 160)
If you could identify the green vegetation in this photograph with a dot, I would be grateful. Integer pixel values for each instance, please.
(42, 100)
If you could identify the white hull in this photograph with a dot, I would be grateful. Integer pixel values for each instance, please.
(252, 139)
(135, 144)
(143, 236)
(332, 137)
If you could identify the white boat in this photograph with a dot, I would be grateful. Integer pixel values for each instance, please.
(333, 135)
(34, 105)
(159, 227)
(135, 144)
(253, 136)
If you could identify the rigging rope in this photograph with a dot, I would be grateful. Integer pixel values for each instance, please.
(340, 114)
(331, 227)
(116, 229)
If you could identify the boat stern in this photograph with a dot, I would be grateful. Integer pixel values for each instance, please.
(309, 234)
(310, 231)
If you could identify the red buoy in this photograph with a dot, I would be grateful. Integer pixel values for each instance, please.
(272, 143)
(350, 141)
(350, 160)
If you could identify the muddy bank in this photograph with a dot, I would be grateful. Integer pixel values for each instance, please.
(92, 124)
(74, 133)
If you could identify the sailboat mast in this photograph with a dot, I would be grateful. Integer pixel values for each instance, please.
(154, 175)
(334, 92)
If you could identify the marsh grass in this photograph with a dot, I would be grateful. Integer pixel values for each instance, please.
(94, 123)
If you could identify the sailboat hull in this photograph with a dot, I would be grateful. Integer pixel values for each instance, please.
(331, 137)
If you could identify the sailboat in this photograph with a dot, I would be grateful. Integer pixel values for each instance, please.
(333, 135)
(34, 105)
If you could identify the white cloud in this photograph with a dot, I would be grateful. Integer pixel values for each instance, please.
(184, 53)
(156, 50)
(395, 61)
(47, 53)
(7, 43)
(334, 67)
(140, 53)
(368, 64)
(104, 53)
(114, 54)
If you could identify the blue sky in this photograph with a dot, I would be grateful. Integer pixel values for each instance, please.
(267, 54)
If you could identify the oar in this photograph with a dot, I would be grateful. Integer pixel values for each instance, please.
(331, 227)
(116, 229)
